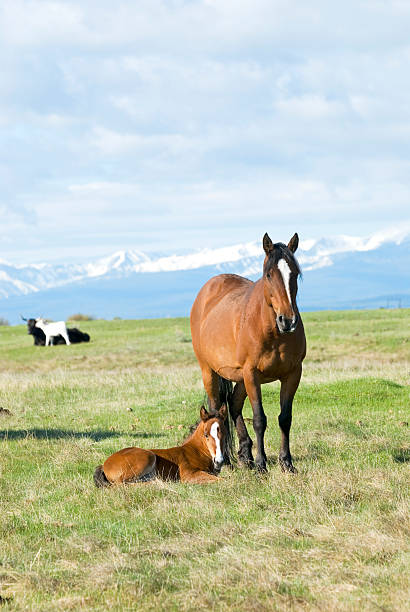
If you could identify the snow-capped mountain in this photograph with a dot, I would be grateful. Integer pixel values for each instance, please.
(333, 266)
(23, 279)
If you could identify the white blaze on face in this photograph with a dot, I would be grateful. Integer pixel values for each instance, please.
(214, 433)
(284, 269)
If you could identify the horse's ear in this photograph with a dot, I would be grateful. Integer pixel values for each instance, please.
(223, 412)
(267, 244)
(293, 243)
(204, 414)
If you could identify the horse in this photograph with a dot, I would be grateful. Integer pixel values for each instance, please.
(198, 460)
(251, 333)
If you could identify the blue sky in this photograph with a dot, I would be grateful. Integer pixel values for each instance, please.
(174, 125)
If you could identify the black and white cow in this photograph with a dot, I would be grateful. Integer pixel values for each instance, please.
(74, 334)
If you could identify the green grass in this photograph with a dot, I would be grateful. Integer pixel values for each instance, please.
(334, 537)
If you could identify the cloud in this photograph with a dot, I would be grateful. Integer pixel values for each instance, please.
(158, 117)
(30, 23)
(310, 106)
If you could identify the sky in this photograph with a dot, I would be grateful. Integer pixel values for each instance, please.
(168, 126)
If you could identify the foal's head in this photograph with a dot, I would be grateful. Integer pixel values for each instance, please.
(280, 276)
(214, 432)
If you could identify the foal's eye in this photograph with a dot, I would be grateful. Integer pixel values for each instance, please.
(206, 435)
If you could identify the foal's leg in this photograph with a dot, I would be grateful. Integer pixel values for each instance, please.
(187, 474)
(287, 392)
(130, 465)
(245, 442)
(253, 389)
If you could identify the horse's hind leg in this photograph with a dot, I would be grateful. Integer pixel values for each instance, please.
(245, 442)
(253, 389)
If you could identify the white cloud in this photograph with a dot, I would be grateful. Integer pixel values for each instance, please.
(114, 143)
(29, 22)
(105, 189)
(311, 106)
(111, 143)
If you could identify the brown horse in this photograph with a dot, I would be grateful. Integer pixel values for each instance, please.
(252, 333)
(198, 460)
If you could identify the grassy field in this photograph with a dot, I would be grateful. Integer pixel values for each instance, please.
(333, 537)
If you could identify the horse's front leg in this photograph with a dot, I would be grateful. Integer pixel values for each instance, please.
(253, 389)
(287, 393)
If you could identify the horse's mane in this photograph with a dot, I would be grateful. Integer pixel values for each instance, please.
(280, 251)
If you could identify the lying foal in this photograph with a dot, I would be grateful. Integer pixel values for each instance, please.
(197, 460)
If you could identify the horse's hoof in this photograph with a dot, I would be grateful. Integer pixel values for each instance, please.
(287, 466)
(246, 463)
(260, 467)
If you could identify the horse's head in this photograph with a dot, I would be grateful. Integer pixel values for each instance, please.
(280, 281)
(214, 432)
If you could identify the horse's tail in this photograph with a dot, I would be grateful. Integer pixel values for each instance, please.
(100, 479)
(225, 397)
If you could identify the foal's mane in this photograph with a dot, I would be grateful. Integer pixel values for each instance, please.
(192, 430)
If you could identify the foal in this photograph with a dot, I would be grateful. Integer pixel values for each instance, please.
(197, 460)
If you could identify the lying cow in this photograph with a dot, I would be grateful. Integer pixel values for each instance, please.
(74, 334)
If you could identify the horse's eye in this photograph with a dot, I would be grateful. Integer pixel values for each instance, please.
(206, 435)
(268, 275)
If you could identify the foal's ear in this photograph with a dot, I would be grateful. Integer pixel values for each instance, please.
(204, 414)
(223, 412)
(293, 243)
(267, 244)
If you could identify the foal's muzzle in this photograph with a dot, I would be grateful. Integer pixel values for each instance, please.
(217, 465)
(286, 325)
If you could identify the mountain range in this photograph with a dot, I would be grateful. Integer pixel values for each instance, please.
(339, 272)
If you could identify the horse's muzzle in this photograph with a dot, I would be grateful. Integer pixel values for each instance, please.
(286, 325)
